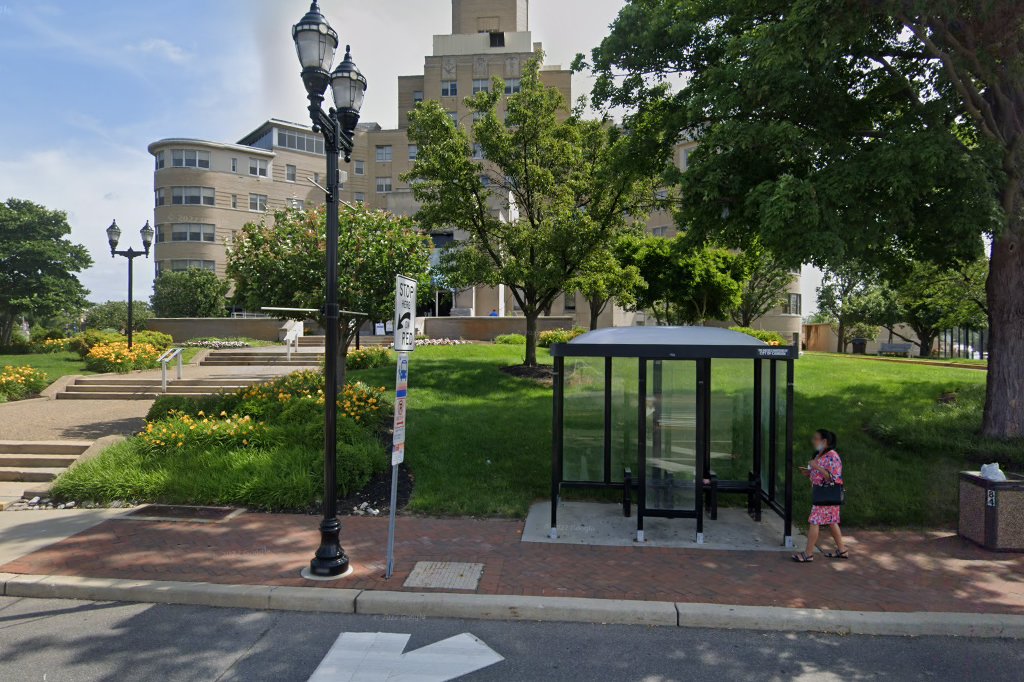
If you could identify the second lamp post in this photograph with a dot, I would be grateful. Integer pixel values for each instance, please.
(316, 43)
(114, 236)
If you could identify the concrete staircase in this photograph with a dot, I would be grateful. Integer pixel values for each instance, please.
(318, 341)
(128, 388)
(27, 468)
(251, 358)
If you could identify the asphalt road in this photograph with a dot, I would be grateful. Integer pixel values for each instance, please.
(60, 640)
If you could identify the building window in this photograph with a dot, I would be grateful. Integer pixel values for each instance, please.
(192, 196)
(159, 160)
(298, 204)
(258, 202)
(161, 197)
(159, 234)
(478, 151)
(192, 232)
(414, 151)
(485, 180)
(316, 178)
(190, 158)
(234, 165)
(187, 264)
(158, 267)
(660, 231)
(570, 303)
(479, 116)
(449, 88)
(513, 85)
(360, 198)
(497, 39)
(258, 167)
(383, 185)
(793, 305)
(684, 159)
(417, 97)
(290, 172)
(234, 201)
(454, 116)
(303, 142)
(661, 194)
(360, 167)
(384, 153)
(481, 85)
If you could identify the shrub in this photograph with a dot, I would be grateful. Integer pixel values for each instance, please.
(117, 357)
(549, 338)
(769, 337)
(17, 383)
(19, 345)
(205, 431)
(192, 293)
(510, 340)
(370, 357)
(158, 340)
(53, 345)
(84, 342)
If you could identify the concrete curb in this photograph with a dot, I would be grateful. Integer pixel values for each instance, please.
(98, 446)
(58, 386)
(514, 607)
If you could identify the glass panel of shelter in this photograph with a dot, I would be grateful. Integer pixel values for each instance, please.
(671, 436)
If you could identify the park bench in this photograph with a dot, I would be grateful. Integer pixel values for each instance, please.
(896, 349)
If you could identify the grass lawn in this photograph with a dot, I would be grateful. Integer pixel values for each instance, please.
(55, 365)
(479, 441)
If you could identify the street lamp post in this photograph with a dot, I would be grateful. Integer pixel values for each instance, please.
(316, 43)
(113, 236)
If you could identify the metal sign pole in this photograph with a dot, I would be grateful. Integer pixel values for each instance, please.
(405, 342)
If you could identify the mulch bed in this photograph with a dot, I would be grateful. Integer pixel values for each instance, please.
(377, 493)
(543, 375)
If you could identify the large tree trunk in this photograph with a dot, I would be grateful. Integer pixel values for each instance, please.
(6, 330)
(841, 342)
(531, 338)
(926, 340)
(596, 308)
(1004, 401)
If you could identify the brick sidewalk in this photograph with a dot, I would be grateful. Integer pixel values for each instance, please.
(898, 571)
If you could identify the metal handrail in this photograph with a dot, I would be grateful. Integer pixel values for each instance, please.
(169, 355)
(290, 339)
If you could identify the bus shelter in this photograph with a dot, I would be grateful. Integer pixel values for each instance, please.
(675, 418)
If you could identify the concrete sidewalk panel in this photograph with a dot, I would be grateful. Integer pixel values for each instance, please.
(882, 623)
(516, 607)
(314, 599)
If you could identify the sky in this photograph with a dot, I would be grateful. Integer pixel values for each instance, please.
(121, 75)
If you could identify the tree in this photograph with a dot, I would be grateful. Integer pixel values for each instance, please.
(685, 284)
(538, 193)
(283, 265)
(192, 293)
(604, 277)
(850, 305)
(766, 282)
(930, 299)
(878, 130)
(38, 265)
(114, 315)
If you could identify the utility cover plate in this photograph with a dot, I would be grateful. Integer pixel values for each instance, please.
(445, 575)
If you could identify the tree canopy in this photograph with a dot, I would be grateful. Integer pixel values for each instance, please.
(192, 293)
(38, 265)
(114, 315)
(872, 130)
(537, 192)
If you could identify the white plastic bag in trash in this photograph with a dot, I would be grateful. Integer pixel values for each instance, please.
(992, 472)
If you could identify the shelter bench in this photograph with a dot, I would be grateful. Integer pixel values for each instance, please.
(714, 486)
(903, 349)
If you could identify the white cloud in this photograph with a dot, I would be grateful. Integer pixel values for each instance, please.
(164, 49)
(94, 186)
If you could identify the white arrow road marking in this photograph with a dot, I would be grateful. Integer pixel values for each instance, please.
(379, 657)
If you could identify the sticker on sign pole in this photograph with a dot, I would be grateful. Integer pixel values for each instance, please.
(405, 314)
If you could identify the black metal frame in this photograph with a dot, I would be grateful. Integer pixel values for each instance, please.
(758, 490)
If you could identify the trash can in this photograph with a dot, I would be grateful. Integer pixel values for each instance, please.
(992, 512)
(860, 346)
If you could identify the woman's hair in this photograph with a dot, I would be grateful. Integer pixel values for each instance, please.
(829, 436)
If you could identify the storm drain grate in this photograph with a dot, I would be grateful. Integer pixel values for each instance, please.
(192, 514)
(445, 575)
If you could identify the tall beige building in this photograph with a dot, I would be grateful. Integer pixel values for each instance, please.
(206, 191)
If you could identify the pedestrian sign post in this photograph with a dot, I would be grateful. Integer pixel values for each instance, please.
(405, 342)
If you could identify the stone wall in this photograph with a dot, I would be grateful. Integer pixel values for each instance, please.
(486, 328)
(185, 328)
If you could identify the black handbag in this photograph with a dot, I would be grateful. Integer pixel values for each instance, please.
(828, 495)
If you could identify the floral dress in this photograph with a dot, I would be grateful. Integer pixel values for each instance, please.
(825, 516)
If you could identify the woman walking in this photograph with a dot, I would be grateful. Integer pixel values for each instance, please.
(824, 469)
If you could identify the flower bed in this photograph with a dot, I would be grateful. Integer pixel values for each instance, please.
(17, 383)
(441, 342)
(117, 357)
(216, 344)
(370, 357)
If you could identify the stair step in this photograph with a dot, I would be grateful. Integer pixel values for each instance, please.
(43, 447)
(125, 396)
(37, 460)
(24, 474)
(171, 388)
(12, 491)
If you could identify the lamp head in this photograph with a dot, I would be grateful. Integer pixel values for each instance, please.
(113, 236)
(315, 43)
(147, 237)
(348, 85)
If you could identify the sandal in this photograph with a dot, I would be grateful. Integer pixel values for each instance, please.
(803, 558)
(845, 554)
